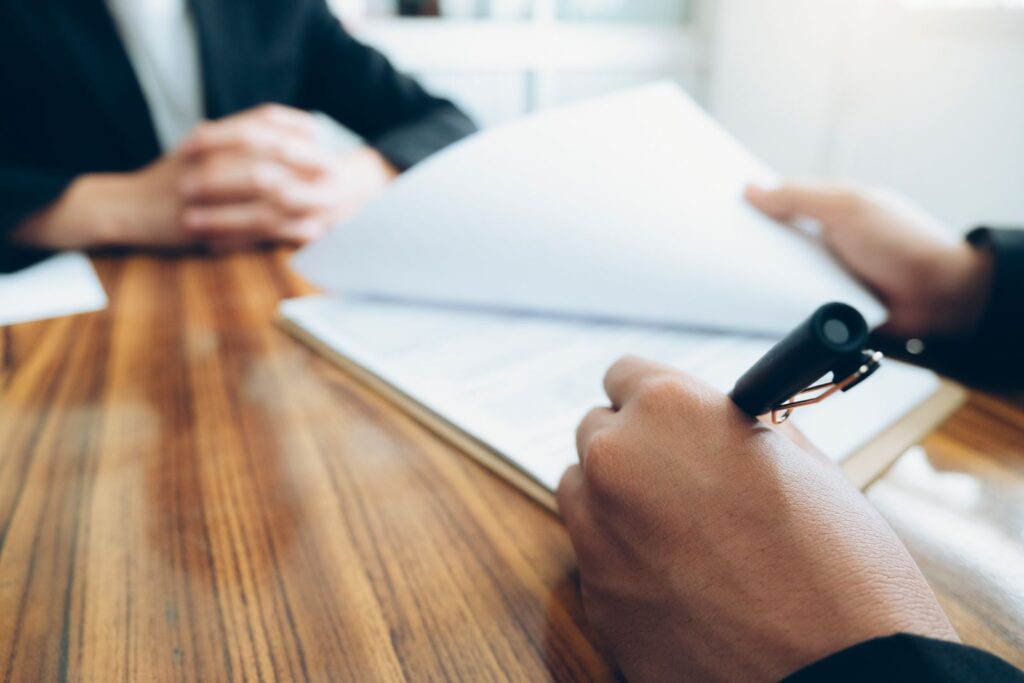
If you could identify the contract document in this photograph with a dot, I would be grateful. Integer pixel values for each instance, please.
(488, 292)
(629, 207)
(510, 389)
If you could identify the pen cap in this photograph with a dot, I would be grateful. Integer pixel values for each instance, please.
(812, 350)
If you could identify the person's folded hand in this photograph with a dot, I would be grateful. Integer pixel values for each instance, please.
(264, 176)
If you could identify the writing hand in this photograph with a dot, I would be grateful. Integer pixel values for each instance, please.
(712, 548)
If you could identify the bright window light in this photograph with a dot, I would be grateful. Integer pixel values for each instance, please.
(963, 4)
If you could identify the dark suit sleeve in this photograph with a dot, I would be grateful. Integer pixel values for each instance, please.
(993, 355)
(1000, 335)
(909, 658)
(358, 87)
(25, 191)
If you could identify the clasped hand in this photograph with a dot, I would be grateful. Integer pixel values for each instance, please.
(259, 176)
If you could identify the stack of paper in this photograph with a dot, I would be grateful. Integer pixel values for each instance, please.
(629, 208)
(489, 291)
(519, 384)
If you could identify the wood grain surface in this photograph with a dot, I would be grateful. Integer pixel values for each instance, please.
(186, 493)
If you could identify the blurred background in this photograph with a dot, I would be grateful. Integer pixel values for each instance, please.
(925, 96)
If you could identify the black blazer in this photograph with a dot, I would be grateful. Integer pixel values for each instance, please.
(992, 357)
(72, 104)
(909, 658)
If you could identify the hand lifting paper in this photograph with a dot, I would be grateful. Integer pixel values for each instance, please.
(628, 207)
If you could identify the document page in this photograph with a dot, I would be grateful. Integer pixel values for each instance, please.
(629, 207)
(521, 383)
(60, 285)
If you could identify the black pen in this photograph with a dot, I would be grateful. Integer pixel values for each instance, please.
(833, 340)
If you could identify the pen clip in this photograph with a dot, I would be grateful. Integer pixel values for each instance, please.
(868, 363)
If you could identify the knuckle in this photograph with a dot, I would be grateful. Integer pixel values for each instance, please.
(288, 150)
(254, 175)
(619, 368)
(270, 109)
(206, 129)
(262, 175)
(591, 417)
(265, 220)
(209, 176)
(584, 532)
(280, 197)
(200, 177)
(660, 392)
(600, 462)
(250, 134)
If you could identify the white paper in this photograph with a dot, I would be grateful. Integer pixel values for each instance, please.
(628, 207)
(520, 384)
(61, 285)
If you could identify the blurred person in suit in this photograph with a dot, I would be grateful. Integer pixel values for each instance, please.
(177, 123)
(712, 547)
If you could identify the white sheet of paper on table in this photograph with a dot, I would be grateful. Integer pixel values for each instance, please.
(521, 383)
(64, 284)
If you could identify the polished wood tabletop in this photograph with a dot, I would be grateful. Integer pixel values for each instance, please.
(186, 493)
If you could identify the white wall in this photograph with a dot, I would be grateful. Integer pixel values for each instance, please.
(927, 101)
(500, 70)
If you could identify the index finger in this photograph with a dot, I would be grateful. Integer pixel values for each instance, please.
(285, 119)
(260, 140)
(569, 495)
(820, 201)
(626, 376)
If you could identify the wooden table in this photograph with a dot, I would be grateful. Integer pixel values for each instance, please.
(187, 493)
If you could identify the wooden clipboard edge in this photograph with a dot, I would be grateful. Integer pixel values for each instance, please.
(862, 468)
(871, 462)
(454, 435)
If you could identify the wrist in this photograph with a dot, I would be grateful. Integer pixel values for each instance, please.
(372, 168)
(959, 284)
(96, 201)
(84, 216)
(359, 177)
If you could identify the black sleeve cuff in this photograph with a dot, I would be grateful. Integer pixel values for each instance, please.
(909, 658)
(991, 357)
(24, 192)
(411, 143)
(1003, 320)
(996, 349)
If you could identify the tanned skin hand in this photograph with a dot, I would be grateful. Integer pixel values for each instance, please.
(259, 176)
(711, 547)
(932, 283)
